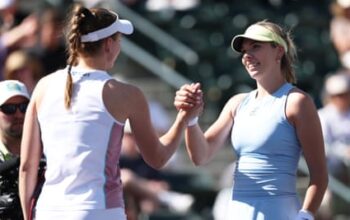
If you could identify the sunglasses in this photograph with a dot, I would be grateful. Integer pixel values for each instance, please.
(10, 109)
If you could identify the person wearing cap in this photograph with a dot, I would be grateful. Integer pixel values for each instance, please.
(270, 127)
(14, 99)
(335, 120)
(76, 117)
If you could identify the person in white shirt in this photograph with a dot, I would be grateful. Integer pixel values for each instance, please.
(76, 118)
(335, 121)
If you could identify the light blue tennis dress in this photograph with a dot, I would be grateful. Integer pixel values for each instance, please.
(268, 151)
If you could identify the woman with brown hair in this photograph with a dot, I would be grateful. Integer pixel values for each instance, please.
(22, 66)
(76, 118)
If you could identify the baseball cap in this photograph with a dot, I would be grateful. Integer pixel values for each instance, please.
(337, 84)
(258, 33)
(11, 88)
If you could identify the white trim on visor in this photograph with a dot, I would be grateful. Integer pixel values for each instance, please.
(122, 26)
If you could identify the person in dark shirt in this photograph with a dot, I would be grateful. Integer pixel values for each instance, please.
(14, 99)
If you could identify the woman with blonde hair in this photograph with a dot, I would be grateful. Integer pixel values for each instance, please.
(269, 128)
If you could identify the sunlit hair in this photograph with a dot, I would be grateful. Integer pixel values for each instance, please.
(288, 60)
(83, 21)
(337, 10)
(21, 59)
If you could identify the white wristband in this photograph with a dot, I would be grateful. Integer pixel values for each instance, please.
(304, 215)
(192, 122)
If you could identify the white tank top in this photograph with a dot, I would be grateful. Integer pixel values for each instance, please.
(81, 145)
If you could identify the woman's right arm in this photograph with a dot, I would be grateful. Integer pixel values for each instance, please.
(31, 151)
(201, 146)
(124, 102)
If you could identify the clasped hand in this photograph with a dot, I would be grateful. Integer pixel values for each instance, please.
(189, 100)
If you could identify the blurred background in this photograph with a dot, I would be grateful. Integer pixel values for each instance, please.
(182, 41)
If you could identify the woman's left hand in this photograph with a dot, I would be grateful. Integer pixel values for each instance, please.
(188, 97)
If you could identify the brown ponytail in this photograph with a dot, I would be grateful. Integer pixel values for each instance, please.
(83, 21)
(73, 38)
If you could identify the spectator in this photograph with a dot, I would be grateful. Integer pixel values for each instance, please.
(10, 16)
(335, 120)
(14, 99)
(24, 67)
(50, 46)
(15, 31)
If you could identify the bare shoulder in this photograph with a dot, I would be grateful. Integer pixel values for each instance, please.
(237, 99)
(298, 98)
(234, 102)
(44, 81)
(299, 104)
(118, 88)
(229, 110)
(41, 86)
(122, 99)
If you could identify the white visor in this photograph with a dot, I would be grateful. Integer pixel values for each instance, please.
(122, 26)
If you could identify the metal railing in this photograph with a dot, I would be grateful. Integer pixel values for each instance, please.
(147, 60)
(152, 64)
(189, 56)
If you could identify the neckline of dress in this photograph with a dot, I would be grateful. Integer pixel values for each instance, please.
(256, 100)
(83, 71)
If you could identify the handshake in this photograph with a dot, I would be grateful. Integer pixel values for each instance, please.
(189, 100)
